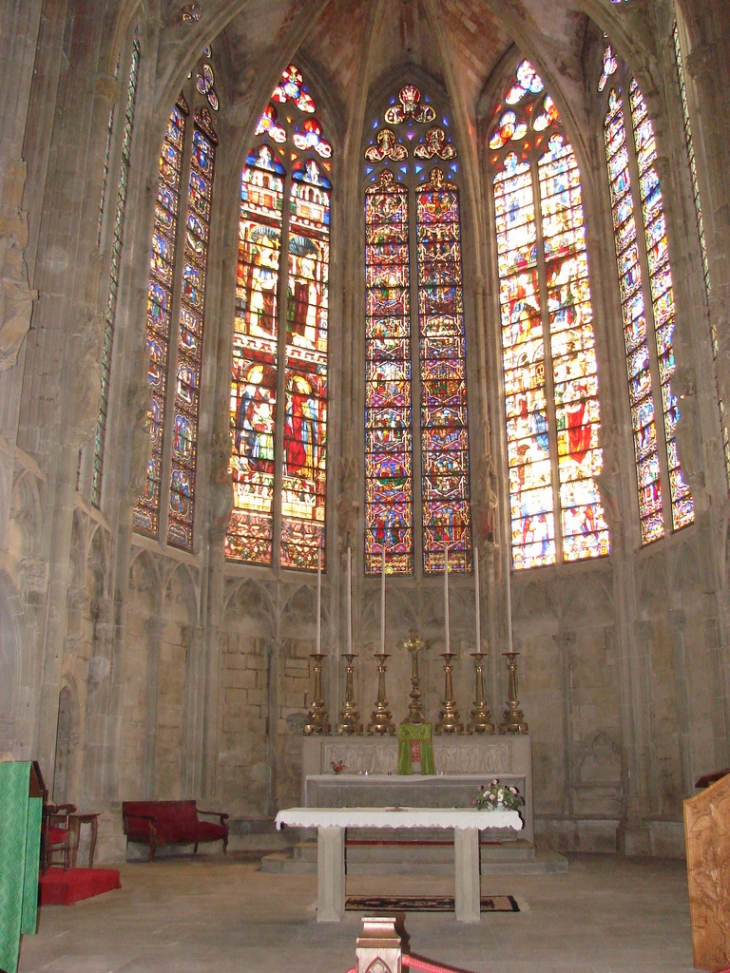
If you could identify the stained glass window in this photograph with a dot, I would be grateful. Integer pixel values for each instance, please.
(159, 311)
(175, 320)
(692, 160)
(416, 429)
(181, 513)
(114, 265)
(278, 460)
(388, 411)
(549, 360)
(647, 300)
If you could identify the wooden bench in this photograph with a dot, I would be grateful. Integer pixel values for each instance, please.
(157, 823)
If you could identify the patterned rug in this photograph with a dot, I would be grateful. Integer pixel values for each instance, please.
(424, 903)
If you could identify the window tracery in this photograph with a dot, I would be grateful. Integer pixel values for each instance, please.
(110, 312)
(176, 293)
(647, 301)
(549, 360)
(278, 459)
(416, 423)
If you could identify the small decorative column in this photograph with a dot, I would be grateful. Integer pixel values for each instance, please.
(379, 946)
(318, 721)
(349, 724)
(513, 718)
(381, 720)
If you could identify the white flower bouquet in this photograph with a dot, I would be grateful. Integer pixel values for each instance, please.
(498, 795)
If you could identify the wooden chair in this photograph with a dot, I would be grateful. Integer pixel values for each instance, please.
(56, 837)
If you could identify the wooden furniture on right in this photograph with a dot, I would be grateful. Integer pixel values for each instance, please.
(707, 835)
(156, 823)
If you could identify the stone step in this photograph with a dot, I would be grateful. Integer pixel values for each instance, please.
(523, 861)
(416, 851)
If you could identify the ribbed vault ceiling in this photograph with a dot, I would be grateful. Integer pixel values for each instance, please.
(356, 45)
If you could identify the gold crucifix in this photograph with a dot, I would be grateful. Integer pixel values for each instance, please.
(415, 709)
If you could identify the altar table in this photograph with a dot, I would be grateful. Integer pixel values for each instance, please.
(331, 824)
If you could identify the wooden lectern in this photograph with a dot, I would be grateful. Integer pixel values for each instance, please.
(707, 835)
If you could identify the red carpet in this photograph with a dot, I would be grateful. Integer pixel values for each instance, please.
(64, 888)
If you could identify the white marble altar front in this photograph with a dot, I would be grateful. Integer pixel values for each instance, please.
(331, 824)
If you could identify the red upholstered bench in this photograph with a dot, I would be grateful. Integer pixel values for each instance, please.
(156, 823)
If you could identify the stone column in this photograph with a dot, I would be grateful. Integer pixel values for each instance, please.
(467, 897)
(330, 874)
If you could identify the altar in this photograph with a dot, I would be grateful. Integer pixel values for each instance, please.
(369, 777)
(331, 824)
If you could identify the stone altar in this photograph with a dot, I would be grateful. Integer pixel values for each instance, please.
(331, 824)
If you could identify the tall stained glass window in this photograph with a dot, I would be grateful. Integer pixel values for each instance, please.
(175, 320)
(647, 302)
(278, 405)
(110, 311)
(549, 359)
(416, 433)
(692, 161)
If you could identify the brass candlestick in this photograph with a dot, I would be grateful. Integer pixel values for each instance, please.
(449, 721)
(381, 722)
(349, 717)
(513, 718)
(480, 719)
(415, 707)
(318, 721)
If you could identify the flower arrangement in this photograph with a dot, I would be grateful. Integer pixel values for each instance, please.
(338, 766)
(499, 796)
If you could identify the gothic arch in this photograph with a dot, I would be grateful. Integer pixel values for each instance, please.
(68, 737)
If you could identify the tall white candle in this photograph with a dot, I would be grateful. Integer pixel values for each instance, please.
(509, 610)
(319, 597)
(477, 612)
(349, 599)
(446, 597)
(382, 603)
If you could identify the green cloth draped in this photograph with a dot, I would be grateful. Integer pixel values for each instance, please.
(20, 849)
(423, 734)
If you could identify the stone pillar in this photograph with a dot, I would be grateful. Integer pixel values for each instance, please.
(467, 896)
(330, 874)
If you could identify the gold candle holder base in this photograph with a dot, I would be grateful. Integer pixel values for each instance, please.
(480, 719)
(349, 724)
(381, 720)
(513, 719)
(415, 708)
(318, 721)
(449, 721)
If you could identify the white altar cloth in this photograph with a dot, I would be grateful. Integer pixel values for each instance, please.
(405, 817)
(331, 824)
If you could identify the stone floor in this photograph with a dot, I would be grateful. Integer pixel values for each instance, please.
(213, 915)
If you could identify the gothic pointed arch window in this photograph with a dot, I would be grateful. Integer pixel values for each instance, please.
(416, 425)
(647, 305)
(552, 408)
(110, 232)
(176, 312)
(278, 459)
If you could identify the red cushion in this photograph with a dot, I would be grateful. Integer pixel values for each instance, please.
(55, 835)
